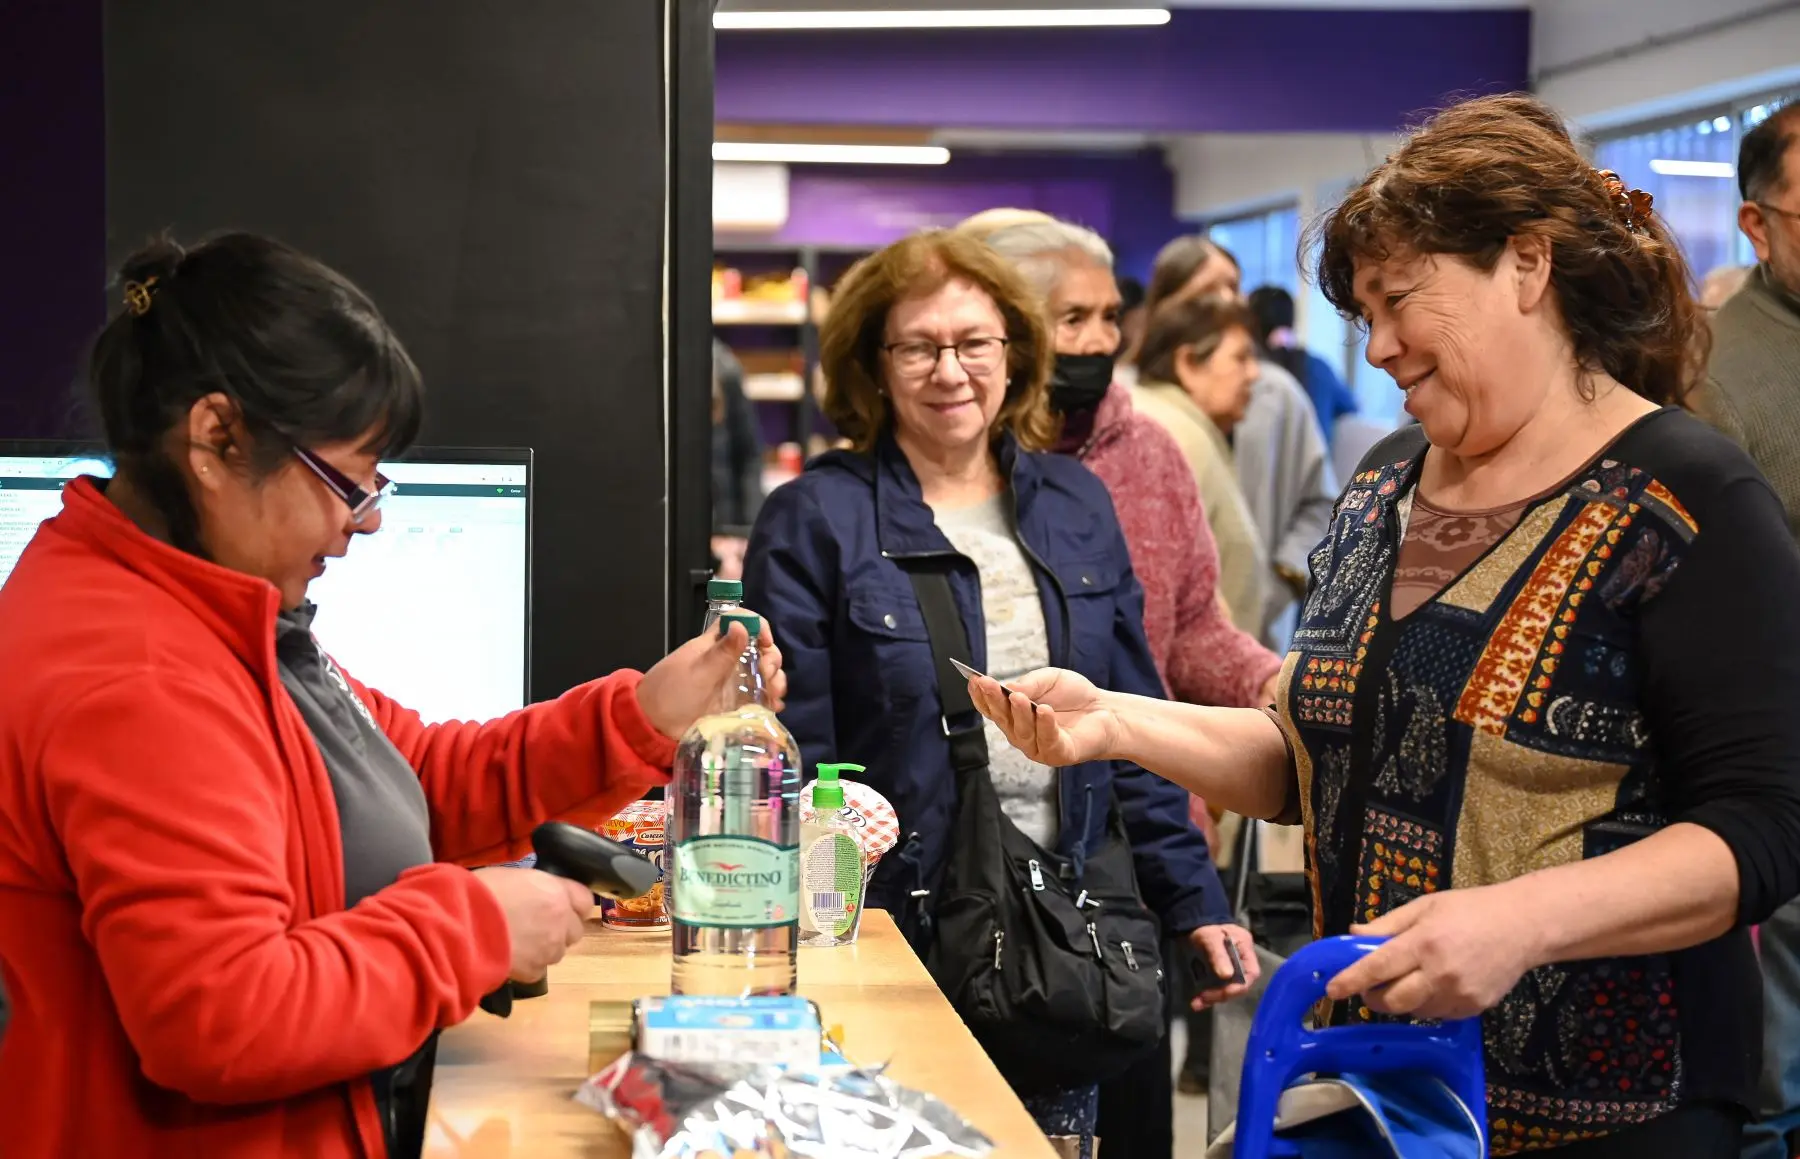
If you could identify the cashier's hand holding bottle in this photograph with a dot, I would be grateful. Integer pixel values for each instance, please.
(544, 913)
(1060, 718)
(684, 685)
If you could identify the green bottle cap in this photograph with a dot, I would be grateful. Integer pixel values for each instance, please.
(828, 792)
(723, 590)
(752, 623)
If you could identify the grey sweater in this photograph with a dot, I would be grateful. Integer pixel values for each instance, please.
(1287, 484)
(1752, 386)
(384, 825)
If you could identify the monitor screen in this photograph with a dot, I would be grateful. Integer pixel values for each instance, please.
(433, 609)
(31, 484)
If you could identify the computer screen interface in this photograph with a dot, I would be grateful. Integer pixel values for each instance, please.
(432, 609)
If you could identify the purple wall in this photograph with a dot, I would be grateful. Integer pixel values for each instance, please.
(53, 201)
(1127, 199)
(1207, 70)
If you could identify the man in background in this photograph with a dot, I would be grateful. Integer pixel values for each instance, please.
(1752, 393)
(1331, 399)
(1717, 287)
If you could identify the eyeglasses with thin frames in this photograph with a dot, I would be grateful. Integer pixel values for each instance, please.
(917, 357)
(1776, 209)
(359, 500)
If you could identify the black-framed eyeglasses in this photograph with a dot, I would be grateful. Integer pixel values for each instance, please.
(360, 501)
(1776, 209)
(916, 357)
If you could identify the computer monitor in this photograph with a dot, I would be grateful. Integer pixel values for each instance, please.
(434, 609)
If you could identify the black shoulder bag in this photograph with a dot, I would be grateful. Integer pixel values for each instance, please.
(1059, 977)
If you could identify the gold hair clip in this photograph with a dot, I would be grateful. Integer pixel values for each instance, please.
(137, 296)
(1631, 206)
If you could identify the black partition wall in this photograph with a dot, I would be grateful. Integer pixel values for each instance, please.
(525, 189)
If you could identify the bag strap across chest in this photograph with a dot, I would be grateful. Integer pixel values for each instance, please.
(949, 639)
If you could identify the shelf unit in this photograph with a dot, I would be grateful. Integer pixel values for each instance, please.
(778, 342)
(749, 312)
(774, 386)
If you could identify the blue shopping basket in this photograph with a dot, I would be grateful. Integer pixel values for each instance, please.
(1282, 1049)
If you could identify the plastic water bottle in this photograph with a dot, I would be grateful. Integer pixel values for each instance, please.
(722, 596)
(733, 842)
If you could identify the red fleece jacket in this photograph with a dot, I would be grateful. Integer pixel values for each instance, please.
(184, 977)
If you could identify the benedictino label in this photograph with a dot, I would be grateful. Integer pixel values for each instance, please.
(735, 882)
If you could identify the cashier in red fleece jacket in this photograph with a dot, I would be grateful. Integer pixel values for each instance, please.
(231, 918)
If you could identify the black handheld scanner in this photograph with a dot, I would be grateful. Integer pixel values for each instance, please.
(600, 863)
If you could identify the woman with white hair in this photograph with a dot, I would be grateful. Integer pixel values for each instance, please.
(1202, 657)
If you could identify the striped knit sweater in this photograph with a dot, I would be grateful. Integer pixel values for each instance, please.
(1752, 387)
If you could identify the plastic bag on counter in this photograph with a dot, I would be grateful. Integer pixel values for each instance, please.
(726, 1110)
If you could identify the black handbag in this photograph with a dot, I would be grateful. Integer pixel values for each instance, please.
(1057, 974)
(1275, 907)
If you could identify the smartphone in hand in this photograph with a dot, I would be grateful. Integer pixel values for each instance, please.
(1207, 978)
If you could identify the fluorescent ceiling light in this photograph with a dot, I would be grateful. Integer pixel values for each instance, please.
(945, 18)
(829, 154)
(1692, 168)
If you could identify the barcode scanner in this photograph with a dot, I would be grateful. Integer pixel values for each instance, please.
(603, 865)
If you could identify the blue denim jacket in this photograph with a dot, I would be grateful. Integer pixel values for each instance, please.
(861, 683)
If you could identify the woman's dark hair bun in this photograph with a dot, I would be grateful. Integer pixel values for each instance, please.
(160, 259)
(297, 351)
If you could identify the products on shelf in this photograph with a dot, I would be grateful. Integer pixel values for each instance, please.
(787, 286)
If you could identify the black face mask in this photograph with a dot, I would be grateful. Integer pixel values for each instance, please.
(1080, 381)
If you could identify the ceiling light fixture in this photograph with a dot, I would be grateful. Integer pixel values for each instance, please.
(830, 154)
(1670, 168)
(945, 18)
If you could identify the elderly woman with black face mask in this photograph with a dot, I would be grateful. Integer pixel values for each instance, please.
(1202, 658)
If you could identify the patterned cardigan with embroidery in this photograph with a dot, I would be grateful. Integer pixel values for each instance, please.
(1511, 724)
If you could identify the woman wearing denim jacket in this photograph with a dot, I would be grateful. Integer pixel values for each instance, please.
(936, 357)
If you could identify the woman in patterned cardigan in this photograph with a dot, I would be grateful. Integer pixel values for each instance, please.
(1538, 718)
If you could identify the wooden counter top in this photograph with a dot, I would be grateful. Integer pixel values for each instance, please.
(503, 1087)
